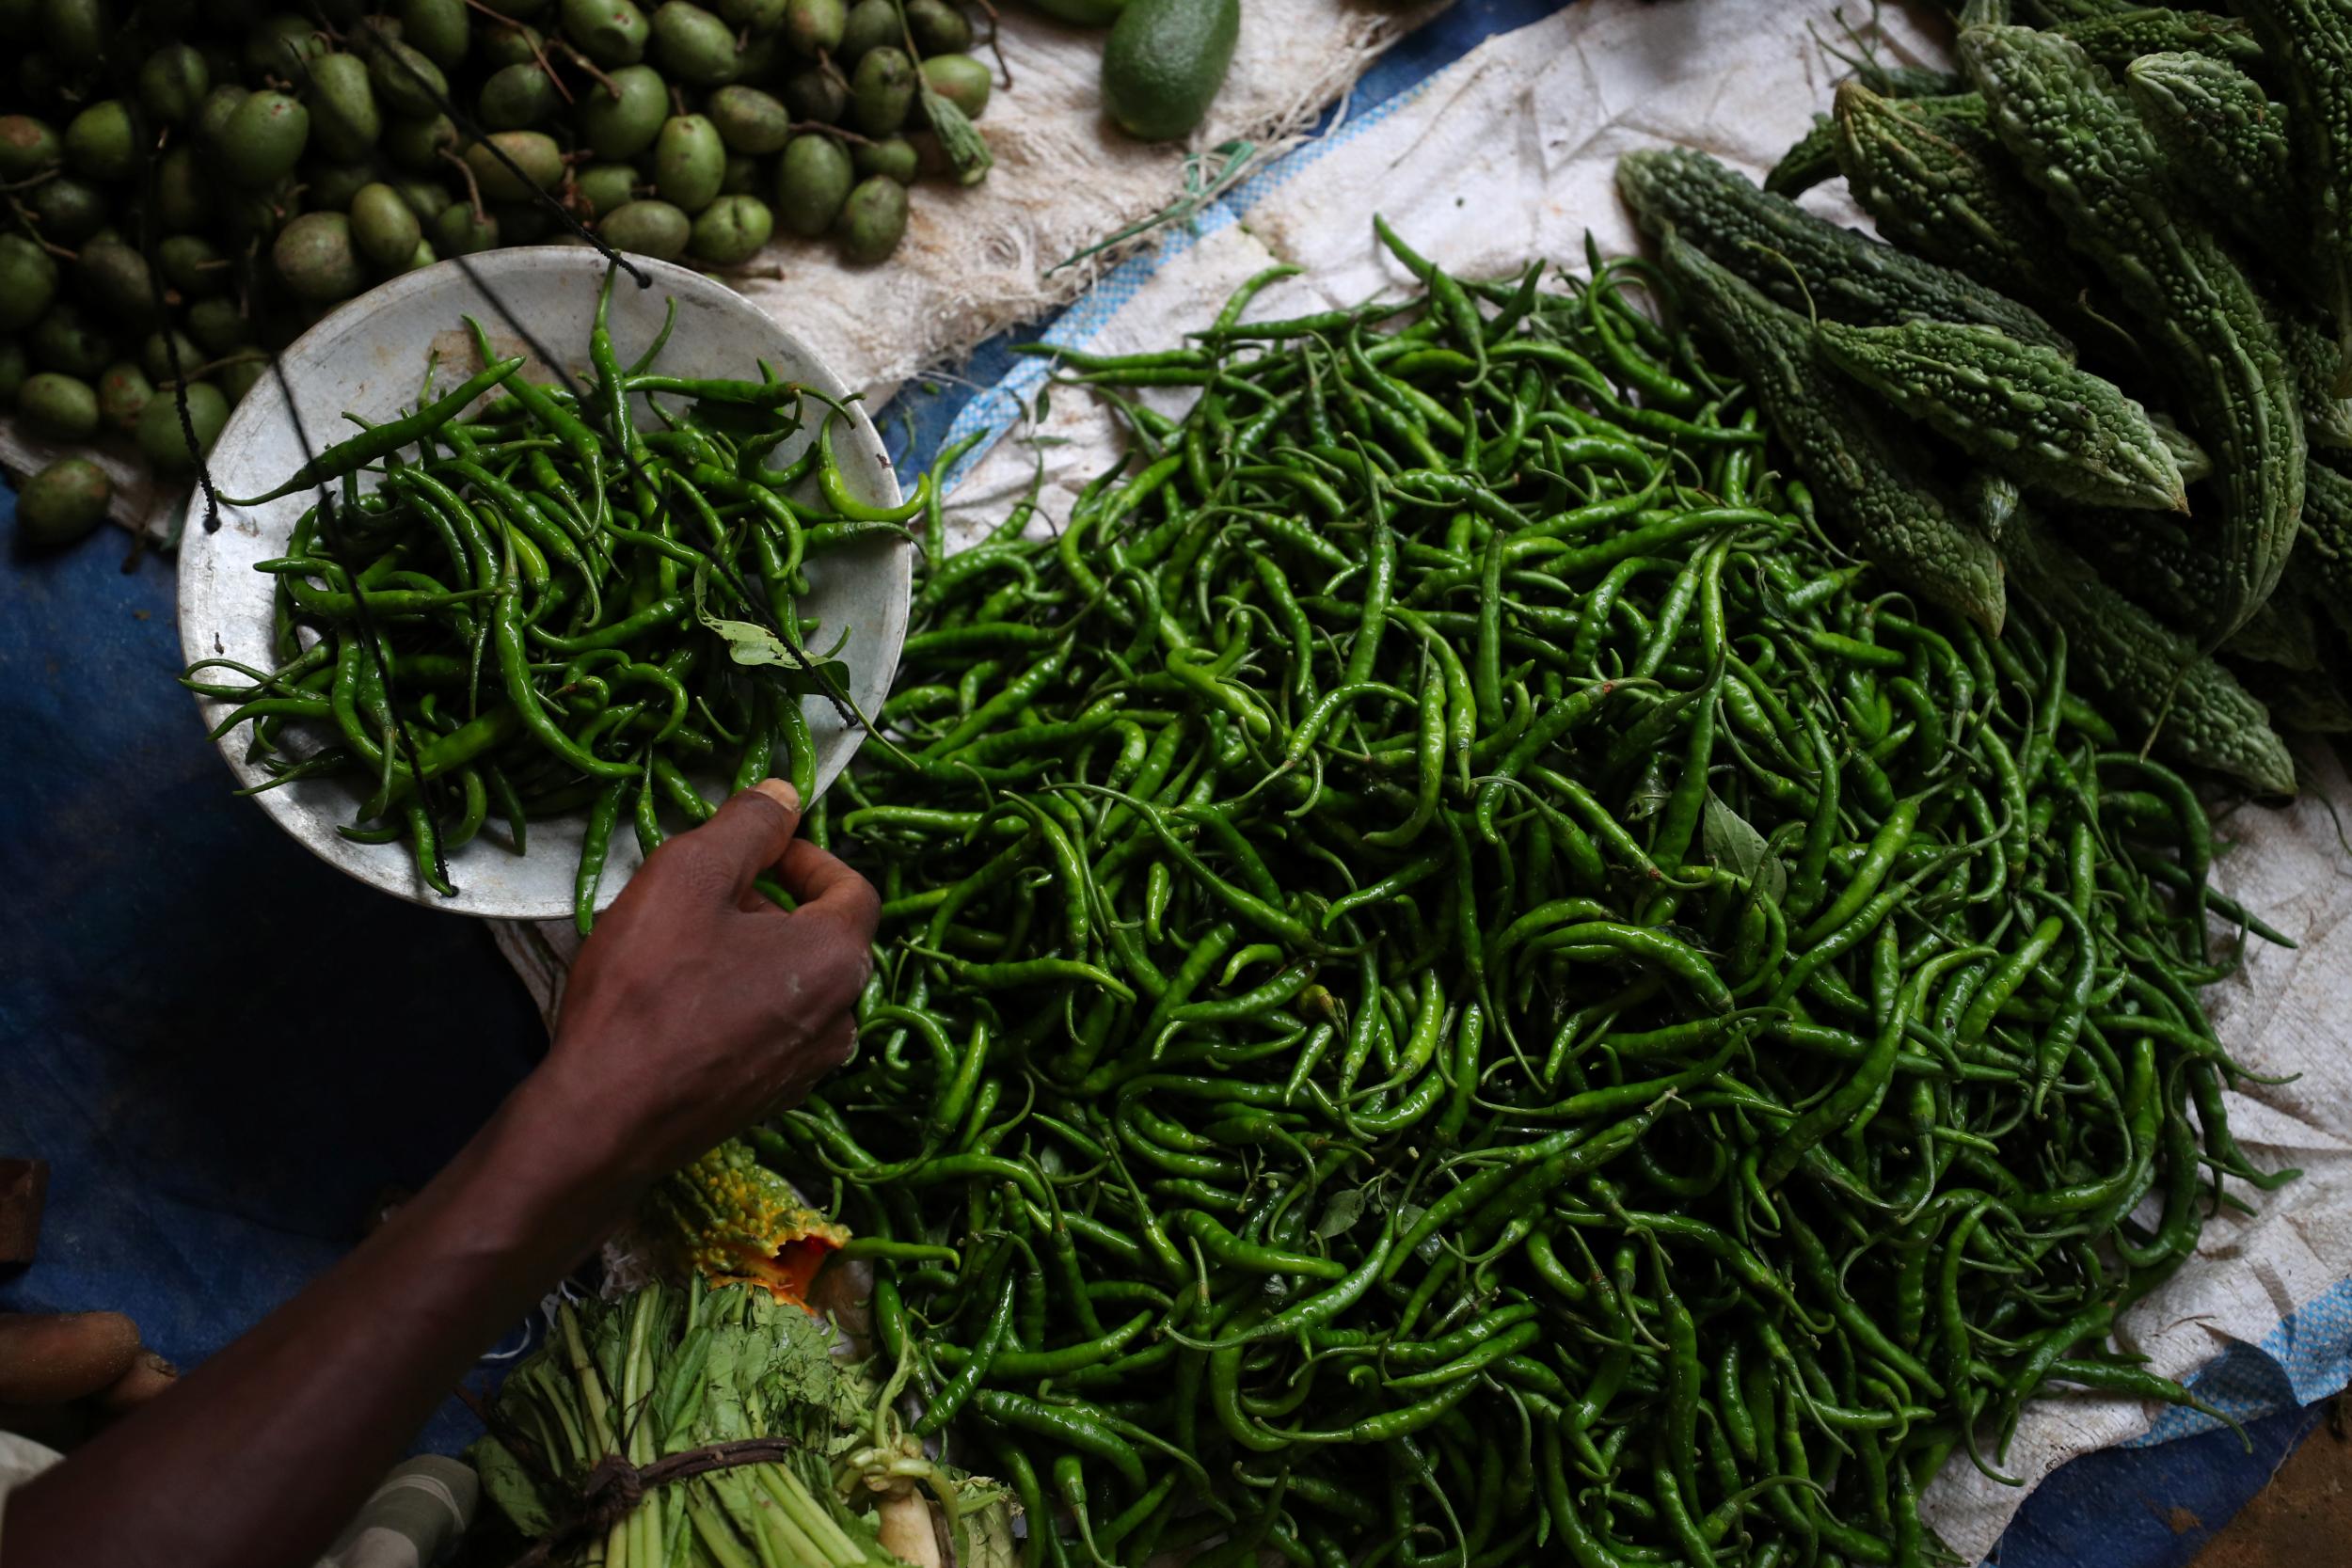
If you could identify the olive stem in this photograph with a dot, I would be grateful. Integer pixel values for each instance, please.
(473, 186)
(820, 128)
(612, 88)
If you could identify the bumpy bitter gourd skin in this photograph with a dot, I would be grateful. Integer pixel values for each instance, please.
(1771, 243)
(2070, 129)
(1944, 188)
(2045, 421)
(2118, 37)
(2308, 45)
(2199, 712)
(2224, 142)
(1856, 467)
(1813, 158)
(2324, 553)
(2312, 359)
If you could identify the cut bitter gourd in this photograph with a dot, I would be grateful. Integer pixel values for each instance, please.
(2224, 142)
(1858, 469)
(2045, 422)
(2197, 710)
(2078, 140)
(1941, 185)
(1804, 262)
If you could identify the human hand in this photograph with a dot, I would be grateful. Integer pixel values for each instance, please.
(699, 1007)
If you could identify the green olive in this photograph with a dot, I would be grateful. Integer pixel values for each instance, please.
(689, 163)
(237, 376)
(62, 407)
(514, 165)
(76, 33)
(759, 56)
(459, 232)
(516, 96)
(29, 281)
(871, 24)
(416, 144)
(503, 43)
(61, 504)
(939, 27)
(282, 47)
(892, 156)
(213, 114)
(815, 94)
(68, 211)
(752, 16)
(14, 368)
(813, 180)
(217, 325)
(692, 45)
(172, 84)
(116, 279)
(66, 340)
(815, 26)
(406, 81)
(882, 90)
(163, 439)
(264, 138)
(122, 392)
(654, 228)
(610, 32)
(959, 79)
(344, 121)
(873, 220)
(425, 197)
(424, 256)
(625, 126)
(730, 231)
(744, 176)
(184, 196)
(156, 358)
(383, 229)
(605, 187)
(28, 147)
(749, 121)
(315, 257)
(333, 184)
(194, 265)
(437, 29)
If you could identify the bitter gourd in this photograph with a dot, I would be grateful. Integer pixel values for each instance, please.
(1814, 157)
(2197, 709)
(2168, 568)
(2079, 142)
(1859, 469)
(1804, 262)
(2324, 553)
(2224, 142)
(2308, 44)
(1943, 187)
(1810, 160)
(2047, 423)
(2312, 359)
(2118, 37)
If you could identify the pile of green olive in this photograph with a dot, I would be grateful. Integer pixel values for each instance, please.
(190, 184)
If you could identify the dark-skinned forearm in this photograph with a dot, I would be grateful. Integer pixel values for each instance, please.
(263, 1454)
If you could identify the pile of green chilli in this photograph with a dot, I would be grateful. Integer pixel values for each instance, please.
(2099, 360)
(1460, 982)
(543, 610)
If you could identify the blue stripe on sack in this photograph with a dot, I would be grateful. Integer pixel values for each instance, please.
(2307, 1357)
